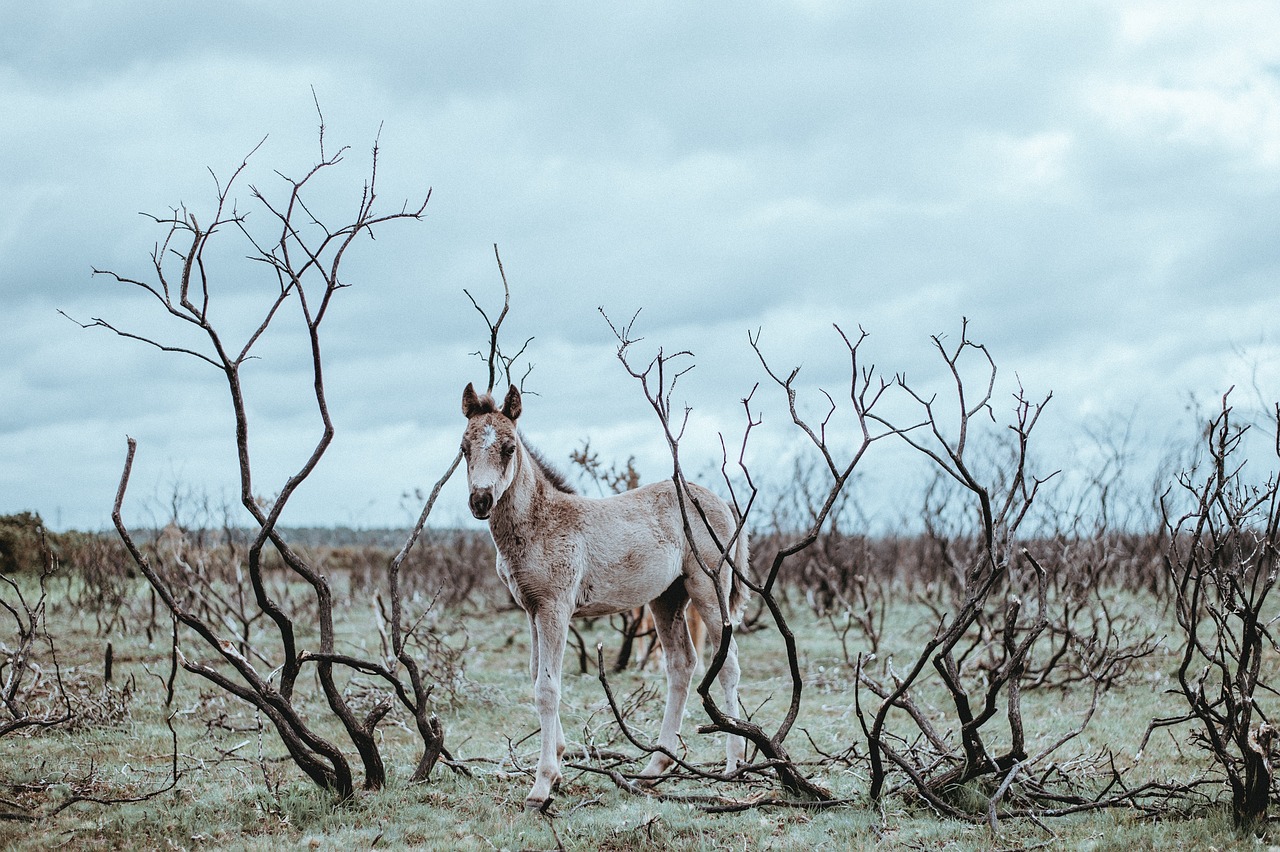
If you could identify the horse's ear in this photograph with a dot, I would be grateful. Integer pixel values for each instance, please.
(470, 402)
(511, 406)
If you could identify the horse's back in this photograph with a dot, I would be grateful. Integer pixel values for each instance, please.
(634, 544)
(661, 501)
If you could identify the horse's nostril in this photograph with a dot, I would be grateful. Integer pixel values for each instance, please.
(481, 503)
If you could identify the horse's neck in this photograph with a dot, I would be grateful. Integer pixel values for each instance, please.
(512, 520)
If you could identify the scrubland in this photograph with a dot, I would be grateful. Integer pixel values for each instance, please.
(238, 788)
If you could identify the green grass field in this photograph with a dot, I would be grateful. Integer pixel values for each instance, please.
(239, 790)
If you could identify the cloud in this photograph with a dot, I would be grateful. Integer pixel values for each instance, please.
(1094, 187)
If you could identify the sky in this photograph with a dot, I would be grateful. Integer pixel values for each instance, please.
(1093, 187)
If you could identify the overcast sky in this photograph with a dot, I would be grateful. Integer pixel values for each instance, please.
(1095, 186)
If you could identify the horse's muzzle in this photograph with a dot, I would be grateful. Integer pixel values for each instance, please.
(481, 503)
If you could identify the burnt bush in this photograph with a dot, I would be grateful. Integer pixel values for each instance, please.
(22, 539)
(450, 567)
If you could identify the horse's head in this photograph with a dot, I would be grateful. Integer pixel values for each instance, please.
(489, 444)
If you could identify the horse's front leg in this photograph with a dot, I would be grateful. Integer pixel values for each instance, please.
(533, 675)
(533, 649)
(550, 633)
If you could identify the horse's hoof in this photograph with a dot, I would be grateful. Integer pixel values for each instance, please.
(533, 806)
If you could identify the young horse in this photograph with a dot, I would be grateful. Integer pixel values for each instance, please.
(563, 555)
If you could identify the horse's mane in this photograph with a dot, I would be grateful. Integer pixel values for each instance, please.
(557, 479)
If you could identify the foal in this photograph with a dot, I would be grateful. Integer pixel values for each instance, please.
(563, 555)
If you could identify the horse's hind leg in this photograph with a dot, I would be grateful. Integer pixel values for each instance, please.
(669, 621)
(704, 598)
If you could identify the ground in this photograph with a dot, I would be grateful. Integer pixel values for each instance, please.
(239, 790)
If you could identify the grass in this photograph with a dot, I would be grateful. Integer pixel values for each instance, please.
(238, 789)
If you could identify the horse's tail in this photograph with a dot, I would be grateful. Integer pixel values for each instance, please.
(739, 592)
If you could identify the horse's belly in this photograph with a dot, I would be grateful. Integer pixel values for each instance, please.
(592, 610)
(594, 607)
(624, 585)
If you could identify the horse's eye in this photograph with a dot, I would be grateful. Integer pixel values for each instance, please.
(466, 451)
(508, 450)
